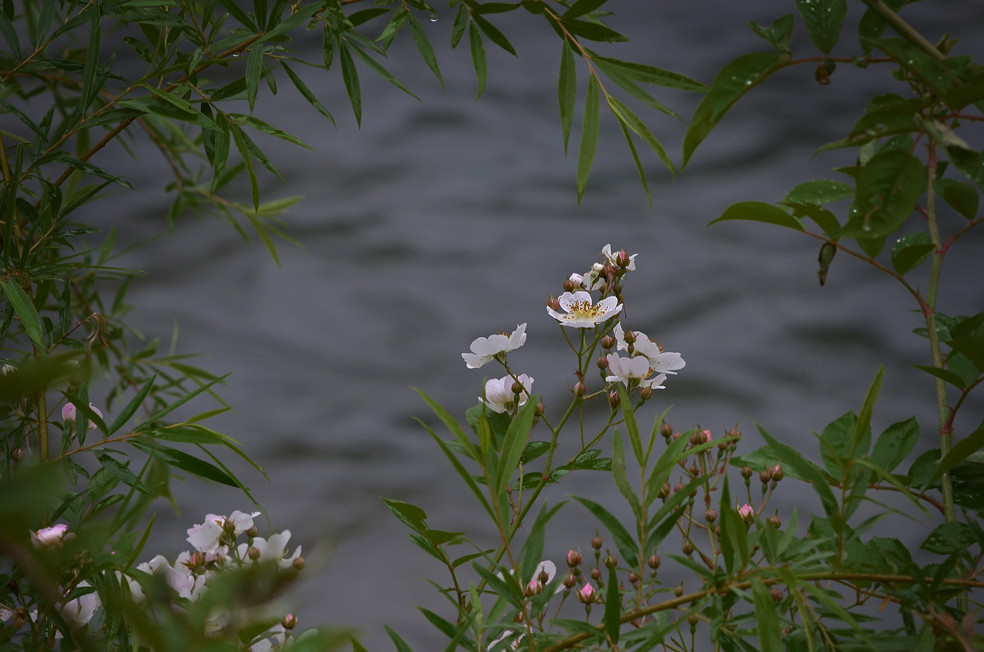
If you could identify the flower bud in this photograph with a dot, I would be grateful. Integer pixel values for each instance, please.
(595, 574)
(570, 285)
(746, 472)
(687, 548)
(252, 532)
(646, 393)
(622, 259)
(654, 561)
(539, 409)
(734, 433)
(517, 387)
(630, 337)
(602, 362)
(533, 588)
(580, 388)
(664, 491)
(775, 521)
(553, 304)
(614, 400)
(747, 513)
(633, 578)
(228, 526)
(17, 455)
(574, 558)
(666, 430)
(587, 594)
(570, 581)
(611, 561)
(776, 473)
(607, 342)
(678, 590)
(597, 542)
(765, 476)
(693, 619)
(253, 553)
(694, 470)
(678, 487)
(776, 594)
(288, 622)
(710, 515)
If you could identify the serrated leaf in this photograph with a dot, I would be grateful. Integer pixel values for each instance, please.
(566, 90)
(757, 211)
(823, 20)
(948, 538)
(589, 136)
(733, 81)
(930, 71)
(778, 33)
(910, 251)
(895, 444)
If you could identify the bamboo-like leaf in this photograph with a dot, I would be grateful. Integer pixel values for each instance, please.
(91, 63)
(458, 26)
(401, 645)
(513, 444)
(306, 92)
(232, 6)
(130, 408)
(350, 76)
(424, 47)
(734, 533)
(863, 425)
(462, 472)
(477, 48)
(45, 21)
(621, 477)
(632, 121)
(767, 620)
(638, 163)
(185, 462)
(647, 74)
(254, 71)
(10, 35)
(580, 8)
(613, 607)
(623, 540)
(240, 138)
(800, 467)
(493, 33)
(25, 311)
(589, 136)
(378, 68)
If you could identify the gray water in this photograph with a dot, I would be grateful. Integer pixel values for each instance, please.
(446, 219)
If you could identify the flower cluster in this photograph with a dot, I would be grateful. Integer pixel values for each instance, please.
(216, 548)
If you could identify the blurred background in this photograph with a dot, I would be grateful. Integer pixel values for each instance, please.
(445, 219)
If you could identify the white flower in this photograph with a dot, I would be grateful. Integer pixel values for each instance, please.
(663, 362)
(613, 258)
(272, 549)
(272, 641)
(632, 371)
(581, 312)
(79, 612)
(485, 349)
(499, 394)
(205, 536)
(49, 536)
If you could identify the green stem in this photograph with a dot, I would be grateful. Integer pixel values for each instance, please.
(904, 29)
(936, 264)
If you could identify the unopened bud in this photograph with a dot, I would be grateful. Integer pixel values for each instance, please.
(666, 430)
(607, 342)
(570, 581)
(252, 532)
(630, 337)
(289, 621)
(595, 574)
(687, 548)
(678, 487)
(646, 393)
(298, 563)
(587, 594)
(776, 594)
(597, 542)
(602, 362)
(765, 476)
(610, 560)
(664, 491)
(622, 259)
(746, 472)
(517, 387)
(654, 561)
(678, 590)
(775, 521)
(614, 400)
(553, 304)
(570, 285)
(710, 515)
(693, 619)
(574, 558)
(539, 409)
(17, 455)
(633, 578)
(776, 473)
(734, 433)
(694, 470)
(580, 388)
(228, 526)
(253, 553)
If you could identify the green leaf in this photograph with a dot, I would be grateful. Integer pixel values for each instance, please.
(378, 68)
(25, 310)
(769, 627)
(513, 444)
(10, 35)
(185, 462)
(350, 76)
(819, 192)
(580, 8)
(306, 92)
(458, 26)
(960, 451)
(401, 645)
(945, 375)
(647, 74)
(823, 21)
(232, 6)
(862, 429)
(627, 547)
(477, 48)
(131, 407)
(635, 158)
(962, 197)
(621, 477)
(795, 464)
(629, 119)
(888, 187)
(424, 47)
(778, 34)
(895, 444)
(566, 90)
(734, 534)
(493, 33)
(970, 164)
(733, 81)
(613, 607)
(927, 69)
(757, 211)
(91, 64)
(948, 538)
(589, 137)
(592, 31)
(240, 139)
(910, 251)
(411, 515)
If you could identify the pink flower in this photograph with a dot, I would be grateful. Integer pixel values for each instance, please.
(49, 536)
(69, 414)
(746, 513)
(587, 594)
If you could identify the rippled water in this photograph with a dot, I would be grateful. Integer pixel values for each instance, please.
(446, 219)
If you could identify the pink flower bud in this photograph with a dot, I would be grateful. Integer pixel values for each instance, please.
(70, 414)
(49, 536)
(574, 558)
(586, 594)
(747, 513)
(289, 621)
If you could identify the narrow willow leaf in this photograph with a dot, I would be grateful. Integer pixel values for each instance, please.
(593, 31)
(566, 90)
(306, 92)
(424, 47)
(232, 6)
(130, 408)
(589, 136)
(254, 71)
(734, 533)
(45, 21)
(757, 211)
(621, 477)
(623, 540)
(350, 76)
(477, 48)
(733, 81)
(299, 15)
(91, 64)
(25, 310)
(638, 163)
(823, 20)
(494, 34)
(580, 8)
(462, 472)
(10, 35)
(862, 428)
(647, 74)
(632, 121)
(459, 25)
(240, 138)
(377, 68)
(411, 515)
(401, 645)
(185, 462)
(769, 627)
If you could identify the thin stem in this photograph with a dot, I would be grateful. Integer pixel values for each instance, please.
(904, 29)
